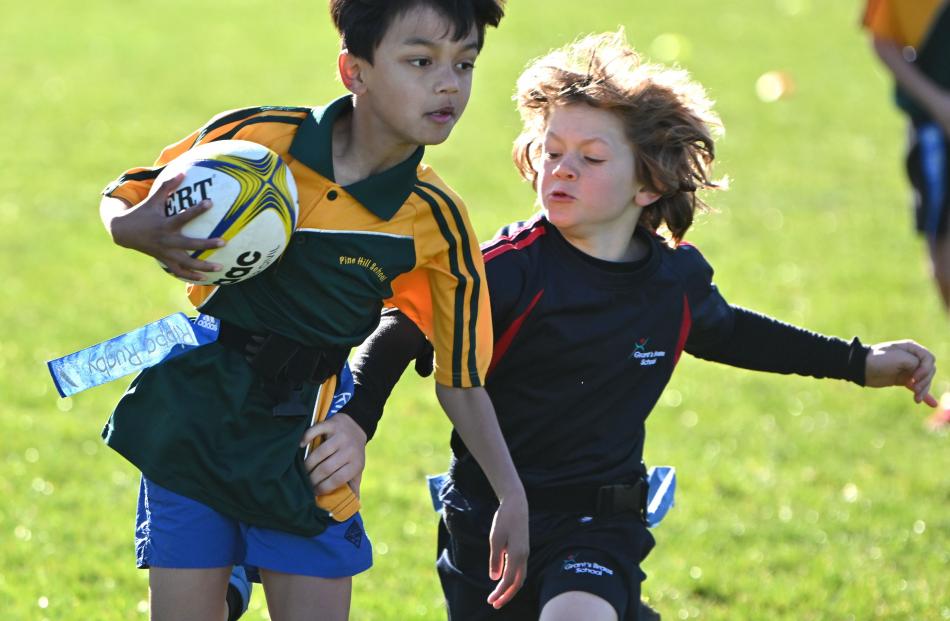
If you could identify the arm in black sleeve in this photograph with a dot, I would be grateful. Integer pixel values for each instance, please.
(379, 363)
(762, 343)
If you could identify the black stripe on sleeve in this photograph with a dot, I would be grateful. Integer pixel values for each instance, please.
(239, 115)
(460, 287)
(142, 175)
(466, 250)
(289, 120)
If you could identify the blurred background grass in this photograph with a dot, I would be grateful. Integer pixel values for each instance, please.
(797, 499)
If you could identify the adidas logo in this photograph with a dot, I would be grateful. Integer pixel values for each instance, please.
(207, 322)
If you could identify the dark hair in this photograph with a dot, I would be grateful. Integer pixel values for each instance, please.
(363, 23)
(667, 117)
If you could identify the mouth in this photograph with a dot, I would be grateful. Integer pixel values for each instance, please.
(443, 115)
(560, 196)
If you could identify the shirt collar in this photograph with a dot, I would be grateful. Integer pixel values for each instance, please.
(383, 193)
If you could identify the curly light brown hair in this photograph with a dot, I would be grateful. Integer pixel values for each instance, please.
(668, 119)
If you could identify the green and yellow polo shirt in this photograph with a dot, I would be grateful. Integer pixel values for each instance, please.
(923, 26)
(354, 245)
(200, 424)
(905, 23)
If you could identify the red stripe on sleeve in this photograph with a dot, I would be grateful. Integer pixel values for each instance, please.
(518, 245)
(504, 341)
(502, 244)
(684, 330)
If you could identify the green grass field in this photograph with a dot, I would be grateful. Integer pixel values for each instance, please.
(797, 499)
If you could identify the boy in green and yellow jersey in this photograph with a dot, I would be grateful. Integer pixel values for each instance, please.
(224, 479)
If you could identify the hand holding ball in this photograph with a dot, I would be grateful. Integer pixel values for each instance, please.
(254, 205)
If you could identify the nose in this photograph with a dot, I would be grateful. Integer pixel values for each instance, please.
(447, 82)
(565, 170)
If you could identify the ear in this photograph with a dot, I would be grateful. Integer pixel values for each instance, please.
(350, 68)
(645, 198)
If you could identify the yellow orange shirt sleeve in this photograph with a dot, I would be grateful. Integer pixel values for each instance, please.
(447, 296)
(879, 20)
(906, 22)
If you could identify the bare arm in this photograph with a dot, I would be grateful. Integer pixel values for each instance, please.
(472, 414)
(934, 99)
(144, 227)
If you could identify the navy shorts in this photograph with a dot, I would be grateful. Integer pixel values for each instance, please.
(568, 553)
(928, 168)
(173, 531)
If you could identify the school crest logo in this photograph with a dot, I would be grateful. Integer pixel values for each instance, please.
(354, 534)
(572, 565)
(646, 357)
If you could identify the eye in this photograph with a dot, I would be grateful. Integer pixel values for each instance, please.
(594, 160)
(420, 62)
(465, 65)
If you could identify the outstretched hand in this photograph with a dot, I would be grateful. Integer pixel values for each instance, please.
(508, 556)
(902, 363)
(146, 228)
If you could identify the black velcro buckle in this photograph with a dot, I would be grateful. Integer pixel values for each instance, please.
(287, 368)
(602, 501)
(622, 499)
(278, 361)
(293, 405)
(274, 354)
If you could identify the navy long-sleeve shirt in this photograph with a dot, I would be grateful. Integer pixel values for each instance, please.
(584, 349)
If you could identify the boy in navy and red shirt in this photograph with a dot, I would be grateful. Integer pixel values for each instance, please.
(592, 308)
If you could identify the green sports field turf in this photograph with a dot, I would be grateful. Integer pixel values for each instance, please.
(797, 499)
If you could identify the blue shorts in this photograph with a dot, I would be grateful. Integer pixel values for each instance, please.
(928, 167)
(173, 531)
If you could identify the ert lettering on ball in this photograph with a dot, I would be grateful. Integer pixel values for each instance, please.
(187, 196)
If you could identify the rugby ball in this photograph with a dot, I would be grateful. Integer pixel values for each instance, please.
(254, 205)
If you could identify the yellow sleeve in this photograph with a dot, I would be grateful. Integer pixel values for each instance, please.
(411, 296)
(880, 20)
(134, 184)
(446, 296)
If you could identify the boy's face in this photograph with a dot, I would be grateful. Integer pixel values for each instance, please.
(420, 80)
(586, 179)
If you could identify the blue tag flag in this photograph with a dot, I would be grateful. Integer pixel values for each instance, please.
(662, 485)
(344, 390)
(436, 481)
(131, 352)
